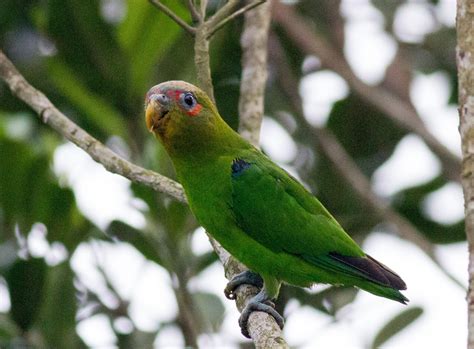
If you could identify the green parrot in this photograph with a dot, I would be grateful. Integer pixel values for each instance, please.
(258, 212)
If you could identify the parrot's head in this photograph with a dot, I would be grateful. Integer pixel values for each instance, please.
(181, 114)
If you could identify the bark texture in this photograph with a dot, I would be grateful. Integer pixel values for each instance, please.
(254, 42)
(465, 63)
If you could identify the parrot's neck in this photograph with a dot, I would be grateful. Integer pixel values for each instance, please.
(200, 147)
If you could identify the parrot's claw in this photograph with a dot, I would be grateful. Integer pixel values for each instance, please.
(259, 303)
(247, 277)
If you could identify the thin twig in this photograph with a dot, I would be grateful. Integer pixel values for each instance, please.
(195, 15)
(237, 13)
(222, 13)
(203, 9)
(50, 115)
(304, 36)
(166, 10)
(201, 46)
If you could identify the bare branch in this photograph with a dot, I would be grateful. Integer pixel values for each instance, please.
(248, 7)
(202, 61)
(195, 15)
(203, 9)
(99, 152)
(222, 13)
(254, 41)
(465, 64)
(404, 115)
(166, 10)
(201, 45)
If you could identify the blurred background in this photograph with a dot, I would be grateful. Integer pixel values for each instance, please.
(88, 259)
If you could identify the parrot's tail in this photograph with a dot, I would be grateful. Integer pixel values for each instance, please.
(384, 281)
(384, 291)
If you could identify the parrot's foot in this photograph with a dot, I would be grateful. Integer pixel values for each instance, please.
(260, 302)
(247, 277)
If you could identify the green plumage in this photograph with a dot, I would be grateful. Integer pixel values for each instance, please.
(257, 211)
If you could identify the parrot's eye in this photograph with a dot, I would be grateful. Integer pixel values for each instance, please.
(188, 101)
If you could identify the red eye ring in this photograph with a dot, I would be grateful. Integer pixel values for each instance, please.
(189, 103)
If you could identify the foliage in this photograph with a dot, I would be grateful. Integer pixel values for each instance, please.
(96, 67)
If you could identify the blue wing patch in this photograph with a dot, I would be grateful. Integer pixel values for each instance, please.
(239, 166)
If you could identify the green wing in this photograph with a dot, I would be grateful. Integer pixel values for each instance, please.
(277, 211)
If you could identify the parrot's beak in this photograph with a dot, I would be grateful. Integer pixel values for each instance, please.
(156, 109)
(150, 115)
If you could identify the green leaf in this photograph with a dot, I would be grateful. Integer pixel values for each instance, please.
(86, 43)
(58, 321)
(211, 310)
(146, 35)
(201, 262)
(29, 193)
(396, 325)
(134, 237)
(366, 134)
(328, 301)
(16, 159)
(8, 330)
(96, 110)
(26, 280)
(409, 202)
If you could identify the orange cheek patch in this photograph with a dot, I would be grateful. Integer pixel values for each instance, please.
(195, 111)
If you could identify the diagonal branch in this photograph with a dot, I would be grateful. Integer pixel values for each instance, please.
(303, 35)
(50, 115)
(166, 10)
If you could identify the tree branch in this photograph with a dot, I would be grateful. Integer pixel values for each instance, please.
(50, 115)
(203, 8)
(222, 13)
(166, 10)
(202, 60)
(254, 42)
(465, 64)
(401, 113)
(195, 15)
(230, 17)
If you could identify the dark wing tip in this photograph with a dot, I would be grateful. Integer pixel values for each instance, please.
(373, 269)
(395, 280)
